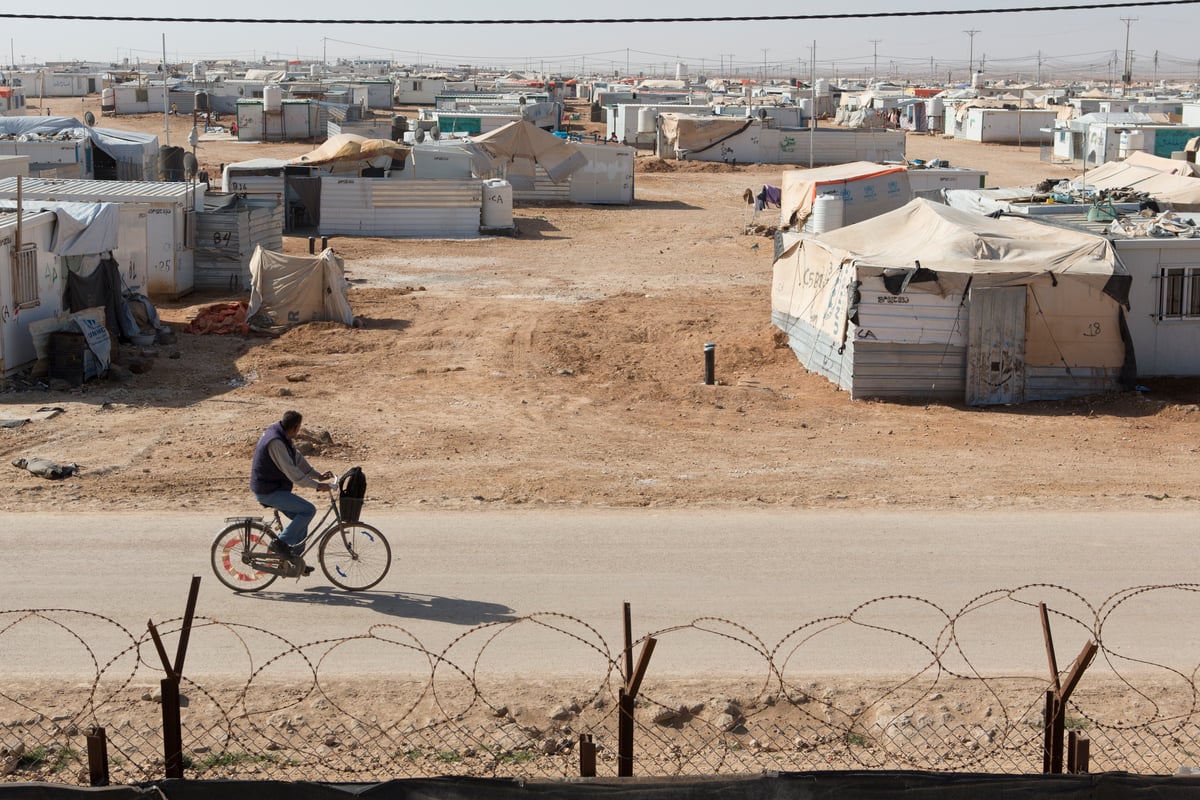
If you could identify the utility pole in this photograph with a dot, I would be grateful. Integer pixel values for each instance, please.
(971, 57)
(764, 72)
(1039, 72)
(875, 62)
(1127, 75)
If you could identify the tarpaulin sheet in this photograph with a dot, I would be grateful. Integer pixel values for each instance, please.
(292, 290)
(1180, 193)
(521, 145)
(128, 147)
(693, 134)
(352, 147)
(81, 229)
(801, 187)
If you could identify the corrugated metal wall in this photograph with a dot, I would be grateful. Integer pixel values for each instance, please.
(260, 186)
(916, 371)
(402, 209)
(225, 241)
(816, 350)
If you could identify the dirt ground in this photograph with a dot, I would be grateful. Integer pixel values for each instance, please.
(564, 367)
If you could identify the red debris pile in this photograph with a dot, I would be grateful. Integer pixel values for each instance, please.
(221, 318)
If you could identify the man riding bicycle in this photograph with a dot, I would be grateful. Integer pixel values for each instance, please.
(276, 468)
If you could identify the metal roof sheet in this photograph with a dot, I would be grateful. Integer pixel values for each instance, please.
(97, 191)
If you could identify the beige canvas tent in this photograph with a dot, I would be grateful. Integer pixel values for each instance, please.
(349, 147)
(292, 290)
(930, 302)
(1175, 192)
(519, 146)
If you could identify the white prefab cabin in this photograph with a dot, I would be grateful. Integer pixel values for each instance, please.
(157, 232)
(31, 286)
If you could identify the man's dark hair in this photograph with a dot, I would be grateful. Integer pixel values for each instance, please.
(291, 420)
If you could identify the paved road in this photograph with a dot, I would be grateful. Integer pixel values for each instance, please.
(771, 572)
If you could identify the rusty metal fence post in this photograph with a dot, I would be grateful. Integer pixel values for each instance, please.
(97, 750)
(171, 716)
(587, 756)
(627, 697)
(1055, 719)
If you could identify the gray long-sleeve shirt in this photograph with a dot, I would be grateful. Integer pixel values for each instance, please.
(299, 471)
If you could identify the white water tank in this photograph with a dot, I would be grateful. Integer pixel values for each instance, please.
(935, 107)
(646, 118)
(108, 100)
(828, 213)
(272, 99)
(314, 70)
(977, 80)
(805, 106)
(198, 71)
(497, 211)
(822, 87)
(681, 71)
(1131, 142)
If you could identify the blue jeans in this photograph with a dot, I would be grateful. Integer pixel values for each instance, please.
(296, 509)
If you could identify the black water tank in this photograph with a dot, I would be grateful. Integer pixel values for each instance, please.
(170, 163)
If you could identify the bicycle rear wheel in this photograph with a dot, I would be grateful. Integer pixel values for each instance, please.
(230, 556)
(355, 556)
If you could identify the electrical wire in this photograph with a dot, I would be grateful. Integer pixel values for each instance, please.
(606, 20)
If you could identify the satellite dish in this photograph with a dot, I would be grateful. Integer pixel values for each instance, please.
(189, 164)
(523, 100)
(762, 113)
(435, 132)
(89, 118)
(419, 136)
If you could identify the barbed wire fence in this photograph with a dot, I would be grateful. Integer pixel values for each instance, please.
(460, 715)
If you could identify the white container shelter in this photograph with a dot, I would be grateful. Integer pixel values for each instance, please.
(31, 288)
(157, 231)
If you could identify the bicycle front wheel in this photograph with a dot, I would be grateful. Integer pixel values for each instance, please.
(231, 552)
(355, 556)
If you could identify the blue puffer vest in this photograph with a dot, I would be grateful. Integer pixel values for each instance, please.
(265, 477)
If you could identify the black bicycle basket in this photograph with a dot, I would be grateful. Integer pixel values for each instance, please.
(351, 490)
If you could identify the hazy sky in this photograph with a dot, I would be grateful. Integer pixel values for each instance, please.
(1070, 43)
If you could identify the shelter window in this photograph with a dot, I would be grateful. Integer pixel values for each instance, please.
(1180, 293)
(25, 279)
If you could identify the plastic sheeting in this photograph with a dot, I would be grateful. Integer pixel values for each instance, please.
(82, 228)
(128, 147)
(292, 290)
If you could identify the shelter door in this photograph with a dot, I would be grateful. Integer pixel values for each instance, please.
(996, 346)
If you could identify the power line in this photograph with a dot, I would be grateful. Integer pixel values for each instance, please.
(602, 20)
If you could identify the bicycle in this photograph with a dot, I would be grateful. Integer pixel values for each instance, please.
(353, 555)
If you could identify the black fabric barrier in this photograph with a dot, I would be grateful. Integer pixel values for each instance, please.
(867, 785)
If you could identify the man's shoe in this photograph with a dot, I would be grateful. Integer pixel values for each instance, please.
(282, 549)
